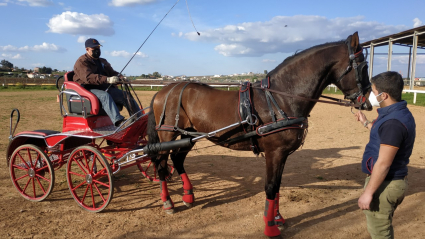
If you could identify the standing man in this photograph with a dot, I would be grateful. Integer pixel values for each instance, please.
(96, 75)
(387, 154)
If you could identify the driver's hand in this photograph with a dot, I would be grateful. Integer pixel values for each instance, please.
(112, 79)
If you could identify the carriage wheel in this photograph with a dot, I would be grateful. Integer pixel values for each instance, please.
(31, 172)
(89, 178)
(147, 167)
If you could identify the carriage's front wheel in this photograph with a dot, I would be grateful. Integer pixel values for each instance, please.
(31, 172)
(89, 179)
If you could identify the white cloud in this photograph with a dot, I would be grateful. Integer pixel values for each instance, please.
(82, 39)
(75, 23)
(124, 3)
(287, 34)
(127, 54)
(3, 4)
(180, 34)
(43, 47)
(417, 22)
(268, 60)
(10, 56)
(37, 3)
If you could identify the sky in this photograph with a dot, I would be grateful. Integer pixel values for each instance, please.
(236, 36)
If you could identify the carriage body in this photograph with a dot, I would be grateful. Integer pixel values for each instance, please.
(90, 146)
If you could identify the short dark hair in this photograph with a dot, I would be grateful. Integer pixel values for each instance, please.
(389, 82)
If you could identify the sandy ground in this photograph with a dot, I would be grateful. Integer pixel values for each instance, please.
(320, 187)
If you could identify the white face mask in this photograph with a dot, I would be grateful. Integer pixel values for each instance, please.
(372, 99)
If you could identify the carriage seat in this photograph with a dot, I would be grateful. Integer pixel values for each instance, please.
(90, 101)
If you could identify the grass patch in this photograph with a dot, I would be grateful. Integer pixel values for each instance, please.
(20, 87)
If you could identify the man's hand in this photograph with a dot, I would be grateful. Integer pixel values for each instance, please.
(113, 79)
(360, 117)
(364, 201)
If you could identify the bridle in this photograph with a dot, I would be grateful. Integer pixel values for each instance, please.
(362, 84)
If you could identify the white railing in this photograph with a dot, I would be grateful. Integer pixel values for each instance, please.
(414, 93)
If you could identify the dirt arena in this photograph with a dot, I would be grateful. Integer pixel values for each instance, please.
(320, 187)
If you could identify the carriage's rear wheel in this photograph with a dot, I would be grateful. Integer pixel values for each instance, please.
(147, 167)
(31, 172)
(89, 179)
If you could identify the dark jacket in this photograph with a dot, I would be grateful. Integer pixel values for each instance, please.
(88, 74)
(398, 169)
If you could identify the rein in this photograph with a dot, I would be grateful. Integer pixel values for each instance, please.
(337, 101)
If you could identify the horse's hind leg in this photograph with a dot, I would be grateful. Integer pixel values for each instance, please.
(275, 162)
(178, 161)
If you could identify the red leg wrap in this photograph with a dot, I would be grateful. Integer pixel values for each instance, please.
(165, 197)
(188, 196)
(271, 229)
(279, 220)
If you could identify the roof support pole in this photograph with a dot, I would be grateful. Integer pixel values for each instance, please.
(410, 60)
(415, 50)
(390, 53)
(372, 53)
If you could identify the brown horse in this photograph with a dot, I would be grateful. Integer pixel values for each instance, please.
(296, 84)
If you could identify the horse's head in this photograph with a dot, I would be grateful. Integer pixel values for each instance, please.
(354, 80)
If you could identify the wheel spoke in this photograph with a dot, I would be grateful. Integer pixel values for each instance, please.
(19, 167)
(85, 159)
(33, 186)
(92, 197)
(43, 168)
(98, 191)
(79, 185)
(85, 193)
(100, 173)
(29, 156)
(23, 160)
(92, 165)
(41, 186)
(81, 167)
(76, 174)
(26, 175)
(48, 180)
(101, 183)
(26, 185)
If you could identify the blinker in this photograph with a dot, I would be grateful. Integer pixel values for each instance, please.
(361, 99)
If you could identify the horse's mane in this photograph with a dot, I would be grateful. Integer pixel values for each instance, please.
(299, 54)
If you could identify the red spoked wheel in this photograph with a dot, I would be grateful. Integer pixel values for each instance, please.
(89, 178)
(147, 167)
(31, 172)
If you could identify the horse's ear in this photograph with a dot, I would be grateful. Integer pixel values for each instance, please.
(354, 40)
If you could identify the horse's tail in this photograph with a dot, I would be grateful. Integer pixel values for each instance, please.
(151, 131)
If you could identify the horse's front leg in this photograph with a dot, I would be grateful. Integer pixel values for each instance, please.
(162, 169)
(178, 158)
(275, 162)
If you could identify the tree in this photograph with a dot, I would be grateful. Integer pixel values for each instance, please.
(156, 75)
(265, 72)
(45, 70)
(6, 64)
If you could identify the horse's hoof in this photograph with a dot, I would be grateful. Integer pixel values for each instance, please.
(189, 205)
(169, 211)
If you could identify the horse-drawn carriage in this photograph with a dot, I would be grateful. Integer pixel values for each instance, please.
(268, 116)
(90, 146)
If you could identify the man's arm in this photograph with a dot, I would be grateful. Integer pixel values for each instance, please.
(380, 171)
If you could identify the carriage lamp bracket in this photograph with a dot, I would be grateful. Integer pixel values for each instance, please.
(12, 132)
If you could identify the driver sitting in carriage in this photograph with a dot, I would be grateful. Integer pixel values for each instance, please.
(96, 75)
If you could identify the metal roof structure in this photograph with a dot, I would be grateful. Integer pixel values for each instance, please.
(411, 38)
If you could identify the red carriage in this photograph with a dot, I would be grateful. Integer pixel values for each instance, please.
(90, 146)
